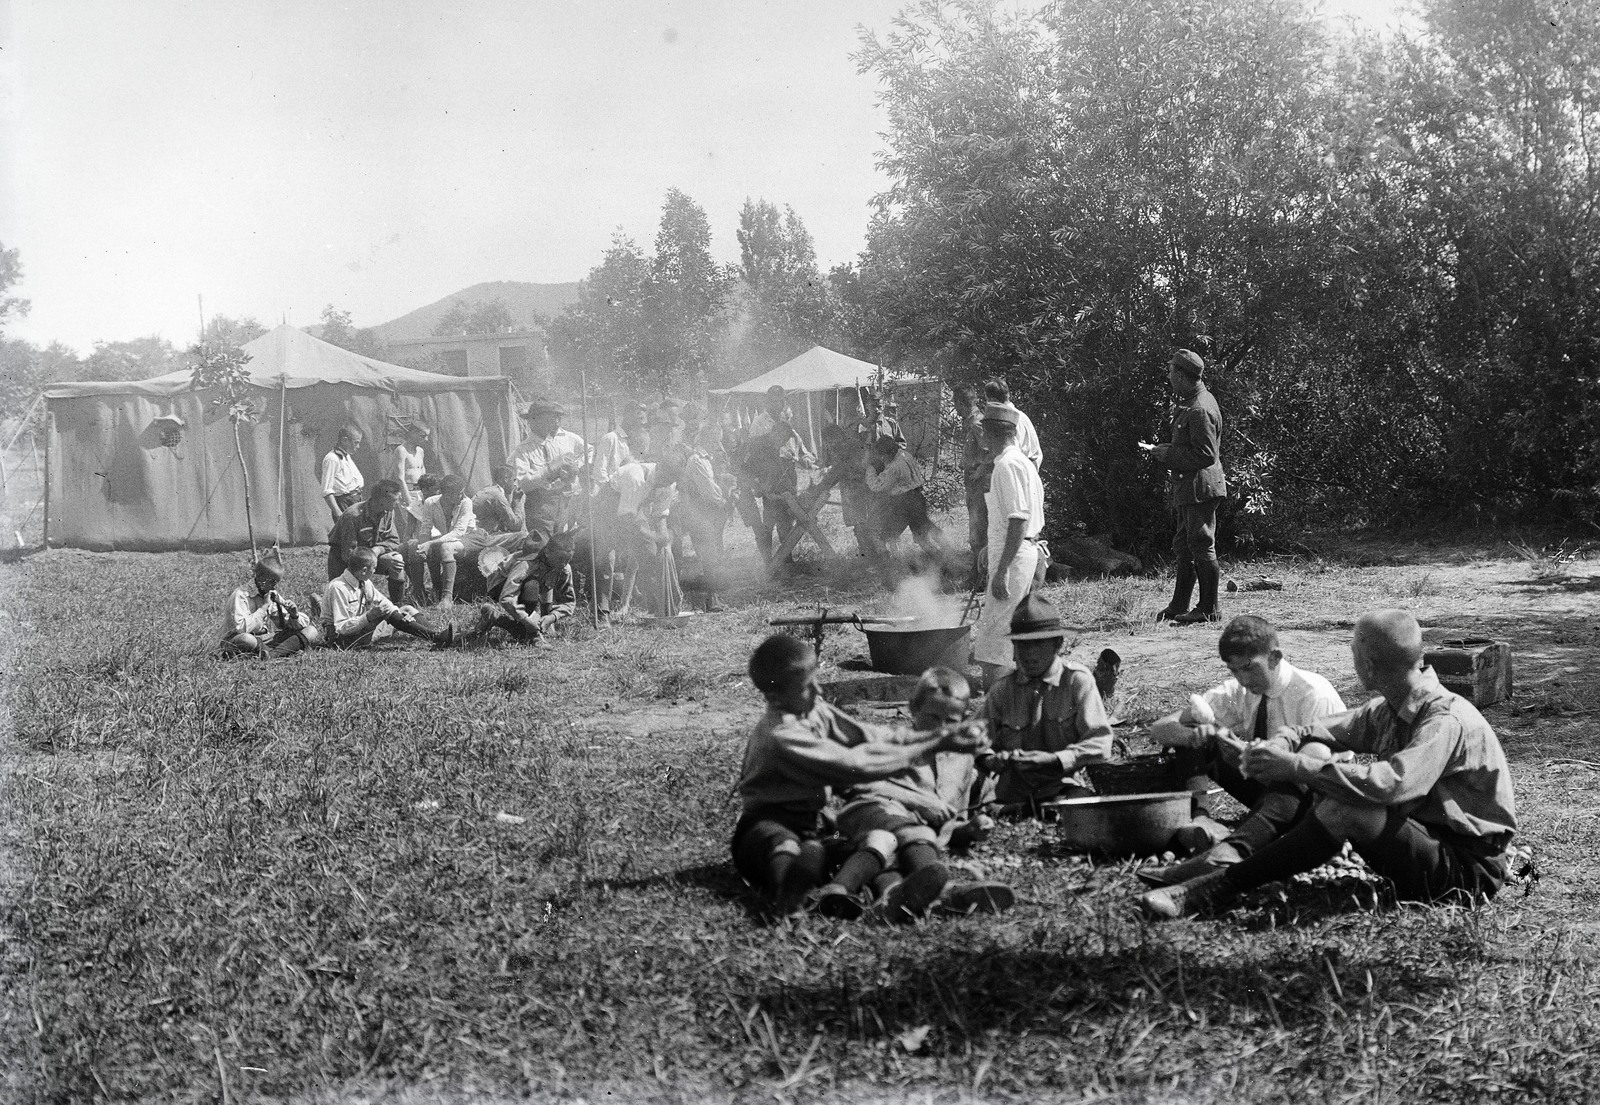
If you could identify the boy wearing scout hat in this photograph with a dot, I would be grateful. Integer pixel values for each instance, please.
(1046, 720)
(546, 466)
(260, 622)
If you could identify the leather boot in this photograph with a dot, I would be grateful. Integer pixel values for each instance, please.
(397, 591)
(1210, 575)
(1182, 590)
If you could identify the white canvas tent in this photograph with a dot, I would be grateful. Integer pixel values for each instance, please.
(150, 464)
(824, 387)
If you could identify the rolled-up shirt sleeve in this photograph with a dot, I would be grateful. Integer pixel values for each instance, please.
(1093, 726)
(833, 764)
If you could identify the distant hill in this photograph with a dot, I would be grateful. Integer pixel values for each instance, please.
(525, 301)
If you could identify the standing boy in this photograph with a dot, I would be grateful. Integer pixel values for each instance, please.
(341, 479)
(1015, 505)
(1194, 458)
(799, 748)
(895, 479)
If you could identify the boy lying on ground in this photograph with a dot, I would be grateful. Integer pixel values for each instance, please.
(901, 822)
(260, 622)
(1433, 815)
(799, 748)
(1046, 720)
(357, 615)
(1265, 694)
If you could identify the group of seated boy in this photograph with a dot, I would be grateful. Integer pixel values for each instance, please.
(849, 818)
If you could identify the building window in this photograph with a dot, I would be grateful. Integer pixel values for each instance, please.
(453, 361)
(513, 360)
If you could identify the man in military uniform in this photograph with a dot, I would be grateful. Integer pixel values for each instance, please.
(1194, 458)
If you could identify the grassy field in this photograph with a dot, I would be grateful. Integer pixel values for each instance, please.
(502, 873)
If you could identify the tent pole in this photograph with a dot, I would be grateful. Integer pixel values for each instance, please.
(49, 433)
(588, 502)
(283, 495)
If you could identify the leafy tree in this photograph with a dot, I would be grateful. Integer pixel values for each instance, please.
(789, 306)
(232, 331)
(477, 317)
(138, 359)
(687, 297)
(223, 367)
(338, 330)
(10, 274)
(648, 323)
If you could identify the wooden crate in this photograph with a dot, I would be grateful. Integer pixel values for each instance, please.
(1476, 668)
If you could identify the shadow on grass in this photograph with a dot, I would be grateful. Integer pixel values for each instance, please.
(1022, 990)
(718, 879)
(1570, 584)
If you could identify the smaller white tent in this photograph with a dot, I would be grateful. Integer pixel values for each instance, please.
(828, 386)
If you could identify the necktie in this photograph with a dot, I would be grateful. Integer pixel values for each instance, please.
(1258, 731)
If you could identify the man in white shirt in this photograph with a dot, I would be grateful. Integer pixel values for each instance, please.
(1016, 517)
(446, 518)
(1266, 693)
(341, 479)
(703, 511)
(547, 464)
(998, 391)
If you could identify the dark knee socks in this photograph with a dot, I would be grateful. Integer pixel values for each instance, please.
(791, 875)
(1306, 846)
(858, 870)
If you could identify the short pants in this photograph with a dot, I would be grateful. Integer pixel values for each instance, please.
(883, 825)
(765, 831)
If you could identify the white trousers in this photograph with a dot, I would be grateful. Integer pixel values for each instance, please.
(989, 644)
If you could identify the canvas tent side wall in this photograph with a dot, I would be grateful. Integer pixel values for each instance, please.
(115, 485)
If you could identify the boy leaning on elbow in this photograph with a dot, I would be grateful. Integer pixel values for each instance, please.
(800, 748)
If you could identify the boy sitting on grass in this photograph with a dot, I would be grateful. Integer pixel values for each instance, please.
(1433, 812)
(801, 747)
(905, 818)
(357, 615)
(1045, 716)
(260, 622)
(1265, 694)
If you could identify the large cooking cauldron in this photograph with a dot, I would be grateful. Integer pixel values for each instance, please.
(913, 651)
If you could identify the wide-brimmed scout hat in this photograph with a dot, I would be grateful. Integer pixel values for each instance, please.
(270, 564)
(999, 412)
(1036, 619)
(543, 407)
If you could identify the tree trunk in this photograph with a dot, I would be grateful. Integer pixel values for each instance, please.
(249, 519)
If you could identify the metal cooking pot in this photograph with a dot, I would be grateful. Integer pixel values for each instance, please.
(913, 651)
(1122, 824)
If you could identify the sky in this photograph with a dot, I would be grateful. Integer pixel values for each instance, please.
(278, 156)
